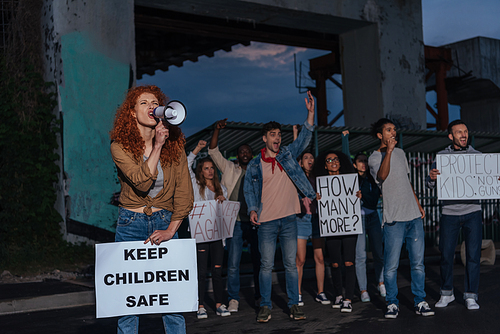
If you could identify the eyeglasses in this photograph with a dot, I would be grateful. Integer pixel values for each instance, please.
(330, 160)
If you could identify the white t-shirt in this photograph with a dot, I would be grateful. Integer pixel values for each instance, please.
(208, 194)
(399, 202)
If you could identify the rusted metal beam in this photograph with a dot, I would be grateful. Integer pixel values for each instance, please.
(438, 60)
(336, 118)
(433, 113)
(320, 70)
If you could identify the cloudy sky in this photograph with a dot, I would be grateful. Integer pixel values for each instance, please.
(257, 83)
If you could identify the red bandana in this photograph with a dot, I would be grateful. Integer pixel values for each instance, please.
(270, 160)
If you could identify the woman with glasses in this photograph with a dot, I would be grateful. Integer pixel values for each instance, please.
(340, 247)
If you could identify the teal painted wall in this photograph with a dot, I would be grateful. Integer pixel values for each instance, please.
(94, 86)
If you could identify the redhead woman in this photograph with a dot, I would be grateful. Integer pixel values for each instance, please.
(156, 192)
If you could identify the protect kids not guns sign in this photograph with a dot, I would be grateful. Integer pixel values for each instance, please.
(136, 278)
(468, 176)
(211, 220)
(339, 209)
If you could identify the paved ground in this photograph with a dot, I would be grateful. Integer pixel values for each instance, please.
(366, 317)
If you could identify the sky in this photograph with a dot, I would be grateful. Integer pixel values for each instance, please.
(258, 83)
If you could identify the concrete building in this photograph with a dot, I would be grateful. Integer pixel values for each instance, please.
(474, 82)
(92, 54)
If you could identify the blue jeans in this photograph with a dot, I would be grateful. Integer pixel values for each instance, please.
(133, 226)
(395, 234)
(472, 228)
(286, 229)
(304, 226)
(242, 231)
(373, 228)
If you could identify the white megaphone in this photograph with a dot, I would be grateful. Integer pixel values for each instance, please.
(174, 112)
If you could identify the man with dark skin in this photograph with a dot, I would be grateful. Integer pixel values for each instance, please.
(233, 177)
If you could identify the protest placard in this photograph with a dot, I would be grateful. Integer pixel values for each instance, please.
(136, 278)
(211, 220)
(339, 209)
(468, 176)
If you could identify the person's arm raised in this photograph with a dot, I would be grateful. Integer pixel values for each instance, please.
(385, 166)
(310, 108)
(215, 136)
(199, 147)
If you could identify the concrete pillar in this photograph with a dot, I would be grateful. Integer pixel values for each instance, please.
(89, 54)
(383, 66)
(361, 77)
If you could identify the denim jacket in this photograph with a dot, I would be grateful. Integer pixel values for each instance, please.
(287, 157)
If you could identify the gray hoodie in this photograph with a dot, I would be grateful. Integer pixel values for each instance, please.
(455, 207)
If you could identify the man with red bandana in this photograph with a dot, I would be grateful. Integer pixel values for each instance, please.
(273, 181)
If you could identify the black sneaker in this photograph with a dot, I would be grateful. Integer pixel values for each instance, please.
(346, 306)
(321, 298)
(296, 313)
(338, 302)
(264, 314)
(392, 311)
(423, 309)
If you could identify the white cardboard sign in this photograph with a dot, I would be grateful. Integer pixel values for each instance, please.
(211, 220)
(468, 176)
(339, 209)
(136, 278)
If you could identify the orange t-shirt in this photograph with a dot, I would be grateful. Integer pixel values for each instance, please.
(279, 194)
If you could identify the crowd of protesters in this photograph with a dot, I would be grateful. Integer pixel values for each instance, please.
(276, 189)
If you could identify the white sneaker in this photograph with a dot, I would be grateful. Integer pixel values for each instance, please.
(222, 311)
(233, 305)
(301, 302)
(381, 289)
(444, 301)
(202, 313)
(471, 304)
(365, 297)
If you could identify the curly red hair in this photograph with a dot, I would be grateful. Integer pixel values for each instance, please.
(126, 132)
